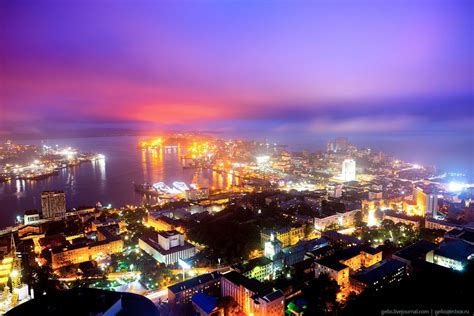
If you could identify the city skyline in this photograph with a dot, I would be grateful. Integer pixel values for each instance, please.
(270, 67)
(239, 157)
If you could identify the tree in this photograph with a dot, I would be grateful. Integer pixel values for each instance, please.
(229, 305)
(358, 219)
(333, 227)
(321, 295)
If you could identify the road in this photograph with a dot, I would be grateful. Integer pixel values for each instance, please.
(111, 276)
(157, 295)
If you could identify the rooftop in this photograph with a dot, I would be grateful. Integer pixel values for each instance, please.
(251, 284)
(458, 250)
(332, 263)
(378, 271)
(31, 212)
(191, 283)
(169, 233)
(253, 263)
(205, 302)
(85, 301)
(154, 244)
(417, 250)
(401, 215)
(466, 235)
(335, 236)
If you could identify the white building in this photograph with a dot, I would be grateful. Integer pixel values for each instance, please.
(168, 247)
(334, 190)
(31, 217)
(345, 219)
(348, 170)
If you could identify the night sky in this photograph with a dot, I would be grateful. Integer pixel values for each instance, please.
(314, 67)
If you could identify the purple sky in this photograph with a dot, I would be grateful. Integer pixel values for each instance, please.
(310, 67)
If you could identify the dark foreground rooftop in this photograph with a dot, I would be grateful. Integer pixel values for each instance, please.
(83, 301)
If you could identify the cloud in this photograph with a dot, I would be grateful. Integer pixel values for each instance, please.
(352, 125)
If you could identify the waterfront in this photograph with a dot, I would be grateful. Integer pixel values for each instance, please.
(110, 181)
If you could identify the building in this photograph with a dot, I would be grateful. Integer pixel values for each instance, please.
(297, 253)
(206, 305)
(296, 308)
(375, 195)
(183, 292)
(109, 223)
(31, 217)
(252, 296)
(343, 218)
(454, 254)
(431, 223)
(196, 194)
(288, 236)
(336, 238)
(260, 268)
(160, 222)
(77, 253)
(341, 144)
(86, 301)
(334, 269)
(334, 190)
(427, 201)
(379, 275)
(53, 203)
(339, 265)
(272, 247)
(421, 251)
(399, 217)
(348, 170)
(330, 146)
(466, 234)
(167, 247)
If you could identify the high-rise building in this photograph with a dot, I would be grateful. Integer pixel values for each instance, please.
(341, 144)
(427, 202)
(331, 146)
(334, 190)
(348, 170)
(53, 203)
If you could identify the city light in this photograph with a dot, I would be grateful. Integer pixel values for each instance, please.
(262, 159)
(183, 264)
(371, 220)
(14, 273)
(456, 186)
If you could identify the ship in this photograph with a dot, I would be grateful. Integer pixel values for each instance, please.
(38, 176)
(146, 188)
(181, 186)
(161, 189)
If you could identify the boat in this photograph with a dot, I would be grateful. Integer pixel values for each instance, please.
(38, 176)
(181, 186)
(163, 188)
(146, 188)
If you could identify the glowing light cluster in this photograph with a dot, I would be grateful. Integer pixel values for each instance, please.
(456, 186)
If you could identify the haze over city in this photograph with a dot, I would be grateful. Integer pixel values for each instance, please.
(231, 158)
(312, 67)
